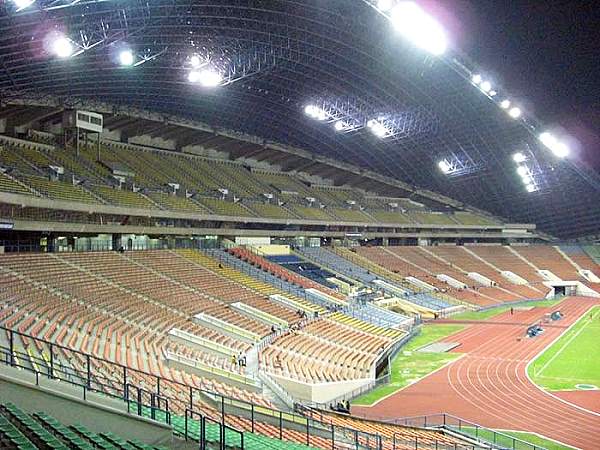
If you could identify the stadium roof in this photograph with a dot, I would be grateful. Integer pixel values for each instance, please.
(276, 57)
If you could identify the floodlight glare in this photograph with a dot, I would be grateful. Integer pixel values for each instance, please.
(419, 27)
(62, 47)
(195, 61)
(22, 4)
(505, 104)
(522, 170)
(377, 128)
(126, 58)
(519, 158)
(384, 5)
(530, 188)
(444, 166)
(559, 149)
(493, 93)
(486, 86)
(315, 112)
(514, 112)
(193, 76)
(476, 78)
(527, 179)
(209, 78)
(340, 125)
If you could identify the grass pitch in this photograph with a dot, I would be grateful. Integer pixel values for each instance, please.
(409, 365)
(573, 359)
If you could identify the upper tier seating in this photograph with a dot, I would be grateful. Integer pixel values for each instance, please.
(582, 259)
(8, 184)
(59, 190)
(504, 259)
(204, 179)
(224, 207)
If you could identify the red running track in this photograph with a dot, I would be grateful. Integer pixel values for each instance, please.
(489, 384)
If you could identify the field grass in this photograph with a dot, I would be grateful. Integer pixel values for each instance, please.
(489, 313)
(409, 365)
(573, 359)
(505, 441)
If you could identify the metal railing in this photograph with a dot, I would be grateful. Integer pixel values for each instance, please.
(493, 438)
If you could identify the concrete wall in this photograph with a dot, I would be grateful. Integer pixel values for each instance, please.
(318, 392)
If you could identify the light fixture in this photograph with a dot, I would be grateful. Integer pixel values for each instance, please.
(514, 112)
(493, 93)
(195, 60)
(206, 77)
(522, 170)
(486, 86)
(505, 104)
(377, 128)
(519, 158)
(559, 149)
(444, 166)
(340, 125)
(126, 58)
(210, 78)
(527, 179)
(530, 188)
(419, 27)
(476, 78)
(315, 112)
(22, 4)
(62, 47)
(384, 5)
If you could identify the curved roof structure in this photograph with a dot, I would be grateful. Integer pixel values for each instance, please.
(275, 58)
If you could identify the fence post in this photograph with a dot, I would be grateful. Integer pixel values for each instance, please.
(51, 361)
(11, 347)
(202, 433)
(191, 398)
(89, 371)
(280, 426)
(124, 378)
(223, 410)
(332, 437)
(252, 415)
(185, 431)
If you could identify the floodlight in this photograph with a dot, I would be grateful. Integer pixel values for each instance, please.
(530, 188)
(519, 158)
(493, 93)
(195, 61)
(522, 170)
(514, 112)
(384, 5)
(193, 76)
(62, 47)
(377, 128)
(505, 104)
(340, 125)
(486, 86)
(209, 78)
(126, 58)
(444, 166)
(22, 4)
(527, 179)
(559, 149)
(419, 27)
(315, 112)
(476, 78)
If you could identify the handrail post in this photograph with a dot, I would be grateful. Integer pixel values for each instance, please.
(89, 371)
(280, 426)
(51, 361)
(202, 433)
(185, 430)
(124, 377)
(223, 410)
(252, 415)
(11, 347)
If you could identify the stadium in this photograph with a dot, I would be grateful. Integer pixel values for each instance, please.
(282, 224)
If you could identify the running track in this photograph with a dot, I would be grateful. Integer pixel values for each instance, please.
(489, 385)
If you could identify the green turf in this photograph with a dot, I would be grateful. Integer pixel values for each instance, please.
(409, 366)
(504, 439)
(573, 359)
(489, 313)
